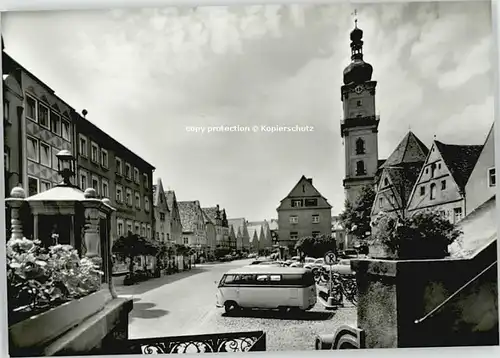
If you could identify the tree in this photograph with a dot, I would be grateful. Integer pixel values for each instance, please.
(356, 216)
(134, 245)
(316, 246)
(423, 235)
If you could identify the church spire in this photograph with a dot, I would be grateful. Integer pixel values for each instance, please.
(358, 71)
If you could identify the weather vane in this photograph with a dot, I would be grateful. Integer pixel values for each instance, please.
(355, 14)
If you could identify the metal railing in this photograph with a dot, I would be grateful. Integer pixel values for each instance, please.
(205, 343)
(467, 284)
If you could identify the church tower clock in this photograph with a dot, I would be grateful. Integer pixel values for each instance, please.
(360, 124)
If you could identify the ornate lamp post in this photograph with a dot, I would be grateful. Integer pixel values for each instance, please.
(66, 167)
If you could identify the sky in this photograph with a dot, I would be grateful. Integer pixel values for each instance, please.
(144, 75)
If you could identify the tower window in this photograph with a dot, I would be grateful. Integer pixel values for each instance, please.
(360, 146)
(360, 168)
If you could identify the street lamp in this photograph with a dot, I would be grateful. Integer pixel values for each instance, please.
(66, 167)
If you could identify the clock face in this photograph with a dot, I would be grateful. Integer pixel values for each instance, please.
(358, 89)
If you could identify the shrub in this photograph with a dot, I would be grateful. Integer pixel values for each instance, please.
(39, 279)
(423, 235)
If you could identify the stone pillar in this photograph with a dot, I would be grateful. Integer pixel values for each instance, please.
(91, 237)
(15, 202)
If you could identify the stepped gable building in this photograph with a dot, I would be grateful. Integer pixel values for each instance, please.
(398, 175)
(441, 182)
(162, 213)
(193, 224)
(359, 126)
(175, 218)
(218, 217)
(303, 212)
(242, 234)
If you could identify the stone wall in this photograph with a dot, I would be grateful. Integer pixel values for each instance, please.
(394, 294)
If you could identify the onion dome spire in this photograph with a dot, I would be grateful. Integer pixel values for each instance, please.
(358, 71)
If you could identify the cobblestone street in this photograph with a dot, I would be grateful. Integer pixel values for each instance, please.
(184, 304)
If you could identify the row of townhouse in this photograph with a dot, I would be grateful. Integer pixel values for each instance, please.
(454, 179)
(38, 124)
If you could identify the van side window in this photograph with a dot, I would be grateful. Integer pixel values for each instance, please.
(245, 279)
(275, 278)
(262, 278)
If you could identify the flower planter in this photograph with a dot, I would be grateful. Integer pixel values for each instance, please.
(44, 327)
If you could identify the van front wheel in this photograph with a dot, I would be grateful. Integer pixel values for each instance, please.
(230, 306)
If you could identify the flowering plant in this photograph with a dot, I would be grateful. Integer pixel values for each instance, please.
(39, 279)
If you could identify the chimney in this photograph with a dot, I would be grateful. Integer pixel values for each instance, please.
(310, 180)
(197, 202)
(217, 207)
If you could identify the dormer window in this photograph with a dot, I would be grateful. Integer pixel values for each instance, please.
(360, 146)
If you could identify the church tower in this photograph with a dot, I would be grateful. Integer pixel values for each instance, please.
(360, 124)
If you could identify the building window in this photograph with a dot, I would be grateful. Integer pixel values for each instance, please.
(44, 185)
(311, 202)
(143, 230)
(136, 175)
(82, 145)
(119, 169)
(360, 168)
(492, 179)
(6, 110)
(129, 227)
(294, 235)
(360, 146)
(31, 108)
(422, 190)
(315, 219)
(128, 197)
(94, 155)
(95, 184)
(119, 228)
(137, 228)
(433, 170)
(55, 160)
(443, 184)
(294, 219)
(66, 131)
(186, 241)
(137, 200)
(457, 214)
(426, 170)
(149, 231)
(359, 103)
(433, 191)
(55, 123)
(83, 179)
(104, 158)
(32, 186)
(380, 202)
(105, 188)
(119, 194)
(45, 154)
(162, 216)
(6, 159)
(168, 237)
(296, 203)
(32, 150)
(43, 115)
(128, 171)
(146, 180)
(315, 233)
(146, 204)
(386, 182)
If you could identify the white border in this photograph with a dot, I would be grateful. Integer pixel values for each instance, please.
(25, 5)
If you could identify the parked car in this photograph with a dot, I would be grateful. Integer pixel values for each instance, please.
(342, 267)
(295, 258)
(252, 256)
(309, 263)
(350, 253)
(261, 261)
